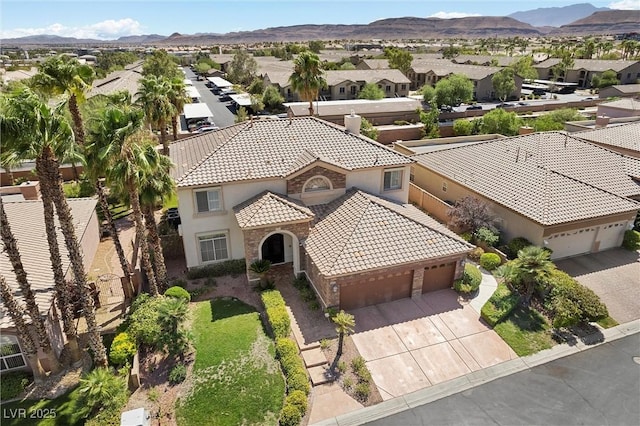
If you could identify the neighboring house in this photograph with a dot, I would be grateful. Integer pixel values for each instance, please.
(624, 139)
(431, 71)
(626, 107)
(322, 200)
(27, 225)
(583, 70)
(620, 91)
(554, 189)
(127, 80)
(485, 60)
(347, 84)
(378, 112)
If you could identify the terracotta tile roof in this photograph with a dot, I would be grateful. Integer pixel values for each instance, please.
(272, 149)
(27, 224)
(368, 76)
(625, 136)
(268, 208)
(549, 177)
(360, 231)
(590, 64)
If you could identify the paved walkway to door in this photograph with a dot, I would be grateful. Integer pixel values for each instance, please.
(411, 344)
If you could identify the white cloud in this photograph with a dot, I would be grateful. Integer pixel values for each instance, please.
(625, 5)
(450, 15)
(109, 29)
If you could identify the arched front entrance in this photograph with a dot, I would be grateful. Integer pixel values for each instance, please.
(273, 248)
(281, 246)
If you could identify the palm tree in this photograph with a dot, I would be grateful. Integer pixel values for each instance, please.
(17, 316)
(32, 129)
(178, 98)
(156, 184)
(307, 78)
(125, 176)
(64, 75)
(344, 325)
(11, 248)
(530, 268)
(154, 99)
(260, 267)
(173, 312)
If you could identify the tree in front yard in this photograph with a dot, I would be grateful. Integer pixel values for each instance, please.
(371, 91)
(344, 325)
(531, 268)
(471, 214)
(504, 83)
(173, 313)
(308, 77)
(260, 267)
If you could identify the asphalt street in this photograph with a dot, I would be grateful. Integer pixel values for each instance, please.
(222, 114)
(599, 386)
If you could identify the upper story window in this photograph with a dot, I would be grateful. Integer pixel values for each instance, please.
(10, 353)
(317, 183)
(209, 200)
(392, 179)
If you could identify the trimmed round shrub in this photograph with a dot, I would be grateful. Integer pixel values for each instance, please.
(572, 303)
(490, 261)
(272, 299)
(13, 384)
(290, 415)
(286, 347)
(298, 380)
(178, 374)
(143, 322)
(470, 281)
(631, 240)
(178, 293)
(297, 398)
(122, 350)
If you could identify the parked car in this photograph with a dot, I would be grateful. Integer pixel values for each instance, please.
(204, 129)
(505, 105)
(446, 108)
(472, 107)
(539, 92)
(523, 103)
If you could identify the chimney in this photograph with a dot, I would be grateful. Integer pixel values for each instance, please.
(602, 121)
(30, 190)
(525, 130)
(352, 123)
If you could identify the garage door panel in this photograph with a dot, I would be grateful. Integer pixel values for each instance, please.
(438, 277)
(571, 243)
(357, 294)
(611, 235)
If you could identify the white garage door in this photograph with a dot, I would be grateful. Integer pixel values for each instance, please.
(571, 243)
(611, 235)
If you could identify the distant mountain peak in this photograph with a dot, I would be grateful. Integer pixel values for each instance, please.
(556, 16)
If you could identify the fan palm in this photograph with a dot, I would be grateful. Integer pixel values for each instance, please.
(529, 269)
(155, 185)
(11, 248)
(307, 78)
(344, 325)
(17, 316)
(178, 98)
(31, 129)
(153, 97)
(125, 175)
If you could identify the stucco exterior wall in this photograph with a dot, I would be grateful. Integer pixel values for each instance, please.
(371, 180)
(194, 224)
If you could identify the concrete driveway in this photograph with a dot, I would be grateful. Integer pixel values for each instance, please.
(412, 344)
(614, 275)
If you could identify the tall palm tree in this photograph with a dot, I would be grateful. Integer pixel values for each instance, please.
(344, 325)
(153, 97)
(178, 98)
(32, 129)
(307, 78)
(17, 316)
(155, 185)
(11, 248)
(106, 130)
(125, 176)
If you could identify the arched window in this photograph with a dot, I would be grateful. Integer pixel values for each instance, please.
(317, 183)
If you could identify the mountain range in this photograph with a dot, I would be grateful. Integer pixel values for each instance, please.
(579, 22)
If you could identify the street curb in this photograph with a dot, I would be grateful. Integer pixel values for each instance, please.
(471, 380)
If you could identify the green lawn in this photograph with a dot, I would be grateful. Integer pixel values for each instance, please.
(526, 331)
(64, 410)
(236, 379)
(170, 202)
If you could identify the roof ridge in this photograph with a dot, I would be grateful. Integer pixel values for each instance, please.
(258, 197)
(239, 127)
(290, 203)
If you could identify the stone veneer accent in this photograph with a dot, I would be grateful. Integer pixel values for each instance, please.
(252, 238)
(338, 180)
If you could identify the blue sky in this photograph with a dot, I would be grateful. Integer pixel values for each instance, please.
(112, 19)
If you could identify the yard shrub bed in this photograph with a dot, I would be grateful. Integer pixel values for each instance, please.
(631, 240)
(297, 381)
(178, 292)
(228, 267)
(272, 299)
(499, 305)
(276, 313)
(470, 281)
(13, 384)
(490, 261)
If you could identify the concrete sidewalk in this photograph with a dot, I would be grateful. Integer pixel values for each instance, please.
(474, 379)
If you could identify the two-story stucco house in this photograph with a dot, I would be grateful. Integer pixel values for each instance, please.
(318, 198)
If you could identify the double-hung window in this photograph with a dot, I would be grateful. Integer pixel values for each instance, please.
(209, 200)
(213, 247)
(392, 179)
